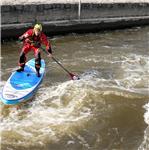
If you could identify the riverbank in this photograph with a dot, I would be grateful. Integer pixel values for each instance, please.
(60, 18)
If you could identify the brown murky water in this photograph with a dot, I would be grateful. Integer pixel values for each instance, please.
(104, 110)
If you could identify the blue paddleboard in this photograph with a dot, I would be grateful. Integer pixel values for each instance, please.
(21, 86)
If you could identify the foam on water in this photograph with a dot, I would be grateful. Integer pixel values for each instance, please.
(53, 107)
(64, 104)
(145, 144)
(135, 75)
(146, 115)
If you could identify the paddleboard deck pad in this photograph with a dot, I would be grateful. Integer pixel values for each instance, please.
(21, 86)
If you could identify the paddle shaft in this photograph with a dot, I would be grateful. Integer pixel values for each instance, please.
(60, 64)
(56, 61)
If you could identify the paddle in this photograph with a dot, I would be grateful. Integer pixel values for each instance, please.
(72, 76)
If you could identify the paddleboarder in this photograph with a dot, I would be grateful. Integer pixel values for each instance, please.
(32, 40)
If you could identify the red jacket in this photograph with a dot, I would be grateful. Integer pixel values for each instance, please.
(30, 37)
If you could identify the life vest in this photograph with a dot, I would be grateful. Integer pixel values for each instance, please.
(41, 39)
(35, 38)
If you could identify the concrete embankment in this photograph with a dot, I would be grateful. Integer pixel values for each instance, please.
(76, 17)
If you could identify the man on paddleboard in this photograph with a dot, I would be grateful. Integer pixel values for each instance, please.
(32, 40)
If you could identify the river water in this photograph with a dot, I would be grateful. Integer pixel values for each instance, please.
(107, 109)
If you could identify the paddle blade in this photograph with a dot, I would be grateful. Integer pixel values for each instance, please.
(74, 77)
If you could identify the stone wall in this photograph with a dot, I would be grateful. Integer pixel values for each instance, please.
(58, 18)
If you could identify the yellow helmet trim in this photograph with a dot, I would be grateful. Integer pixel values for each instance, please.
(38, 26)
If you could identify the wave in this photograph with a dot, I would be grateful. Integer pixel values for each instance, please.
(57, 110)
